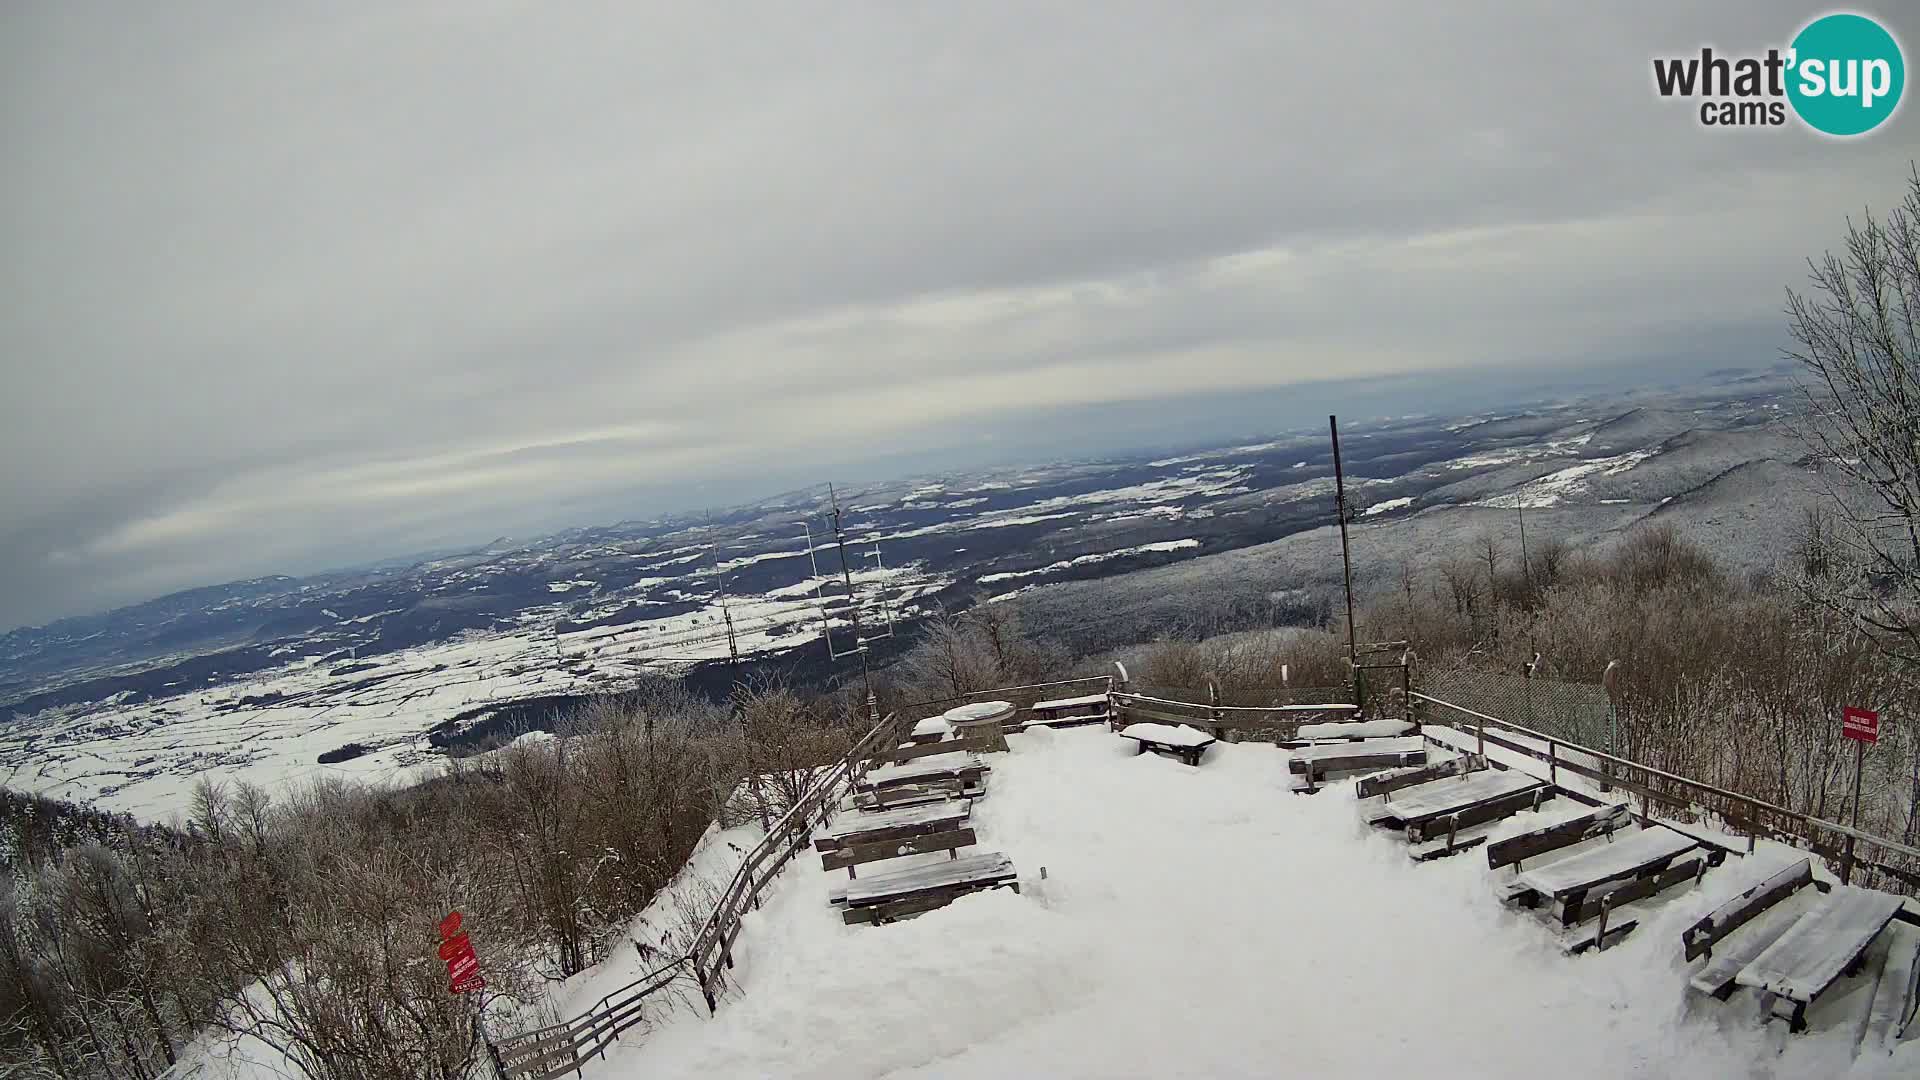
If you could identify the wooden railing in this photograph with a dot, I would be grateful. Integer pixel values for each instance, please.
(1225, 720)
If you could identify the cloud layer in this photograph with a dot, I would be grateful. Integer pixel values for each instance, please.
(284, 289)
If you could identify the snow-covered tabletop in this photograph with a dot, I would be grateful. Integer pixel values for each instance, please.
(1455, 793)
(932, 725)
(1069, 702)
(966, 870)
(1167, 735)
(978, 714)
(1812, 953)
(903, 818)
(1627, 854)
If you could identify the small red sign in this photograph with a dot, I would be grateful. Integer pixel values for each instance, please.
(456, 948)
(1860, 725)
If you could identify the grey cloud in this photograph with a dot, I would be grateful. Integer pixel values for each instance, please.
(287, 287)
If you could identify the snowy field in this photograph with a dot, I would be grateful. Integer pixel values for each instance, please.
(1205, 923)
(143, 758)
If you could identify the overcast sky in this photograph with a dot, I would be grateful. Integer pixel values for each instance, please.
(283, 289)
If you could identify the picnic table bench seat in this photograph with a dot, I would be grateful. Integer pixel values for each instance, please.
(1818, 948)
(1065, 712)
(1351, 729)
(944, 768)
(1183, 742)
(876, 800)
(880, 825)
(884, 897)
(1319, 759)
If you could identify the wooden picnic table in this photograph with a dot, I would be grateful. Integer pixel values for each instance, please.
(1183, 742)
(1813, 953)
(885, 897)
(1066, 710)
(893, 824)
(1335, 756)
(1421, 803)
(931, 730)
(920, 772)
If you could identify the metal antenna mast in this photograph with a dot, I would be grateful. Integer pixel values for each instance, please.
(1346, 557)
(853, 609)
(720, 585)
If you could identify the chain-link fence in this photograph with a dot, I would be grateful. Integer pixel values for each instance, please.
(1576, 712)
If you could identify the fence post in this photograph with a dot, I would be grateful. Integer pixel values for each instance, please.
(1213, 708)
(1610, 679)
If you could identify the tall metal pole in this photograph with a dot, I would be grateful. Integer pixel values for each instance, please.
(853, 610)
(1346, 556)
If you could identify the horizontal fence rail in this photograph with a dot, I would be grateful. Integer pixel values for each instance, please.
(1897, 864)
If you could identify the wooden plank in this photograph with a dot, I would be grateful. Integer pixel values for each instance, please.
(858, 854)
(1325, 758)
(1514, 849)
(1440, 847)
(1894, 999)
(1625, 856)
(1637, 889)
(1825, 942)
(1698, 940)
(1387, 782)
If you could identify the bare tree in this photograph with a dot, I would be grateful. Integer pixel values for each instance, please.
(1856, 333)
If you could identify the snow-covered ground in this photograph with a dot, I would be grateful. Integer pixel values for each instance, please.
(1204, 922)
(270, 729)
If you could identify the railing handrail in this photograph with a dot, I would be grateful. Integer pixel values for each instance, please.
(1711, 789)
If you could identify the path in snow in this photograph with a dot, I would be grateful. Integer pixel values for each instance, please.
(1206, 923)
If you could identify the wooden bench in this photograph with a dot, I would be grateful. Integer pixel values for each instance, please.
(1319, 759)
(1181, 742)
(932, 791)
(883, 898)
(1643, 857)
(1698, 940)
(943, 816)
(1384, 784)
(963, 769)
(1825, 943)
(1435, 799)
(1066, 712)
(1894, 996)
(848, 856)
(973, 744)
(1349, 731)
(1515, 850)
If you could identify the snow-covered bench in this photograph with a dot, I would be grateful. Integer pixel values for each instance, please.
(1351, 730)
(943, 816)
(1642, 860)
(1184, 743)
(1816, 950)
(1319, 759)
(1065, 712)
(902, 893)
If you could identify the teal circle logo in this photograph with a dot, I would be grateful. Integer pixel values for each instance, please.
(1847, 74)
